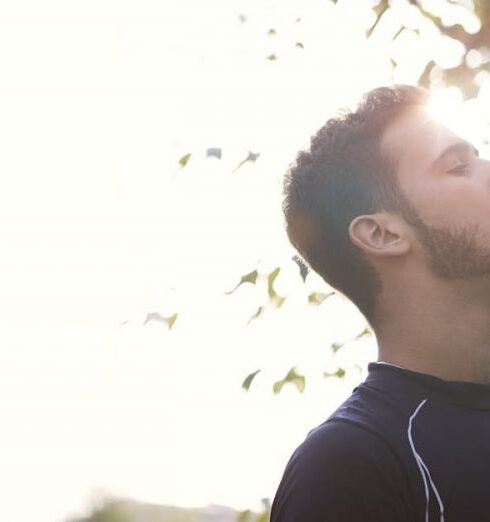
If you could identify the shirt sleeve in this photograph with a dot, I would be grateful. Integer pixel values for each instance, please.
(343, 473)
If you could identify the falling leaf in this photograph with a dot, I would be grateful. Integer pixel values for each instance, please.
(242, 18)
(271, 31)
(274, 297)
(271, 57)
(214, 152)
(184, 159)
(379, 11)
(317, 298)
(300, 45)
(123, 323)
(270, 281)
(292, 377)
(156, 316)
(303, 269)
(260, 309)
(340, 373)
(251, 277)
(252, 156)
(171, 320)
(297, 20)
(366, 331)
(336, 347)
(248, 380)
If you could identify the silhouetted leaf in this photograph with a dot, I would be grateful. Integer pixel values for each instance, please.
(248, 380)
(260, 309)
(292, 377)
(366, 331)
(251, 277)
(214, 152)
(271, 57)
(156, 316)
(340, 373)
(184, 159)
(300, 45)
(379, 10)
(336, 347)
(242, 18)
(317, 298)
(270, 281)
(252, 156)
(171, 320)
(271, 31)
(123, 323)
(303, 269)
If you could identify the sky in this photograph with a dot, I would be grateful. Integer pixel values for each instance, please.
(100, 226)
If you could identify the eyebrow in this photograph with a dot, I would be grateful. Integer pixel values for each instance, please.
(458, 146)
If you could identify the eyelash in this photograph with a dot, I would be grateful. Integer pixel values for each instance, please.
(460, 169)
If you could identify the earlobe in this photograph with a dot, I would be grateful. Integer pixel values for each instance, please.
(374, 236)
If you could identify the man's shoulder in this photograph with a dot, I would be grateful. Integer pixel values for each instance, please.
(344, 471)
(341, 441)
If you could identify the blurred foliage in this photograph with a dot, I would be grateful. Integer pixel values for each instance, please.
(452, 19)
(248, 516)
(125, 510)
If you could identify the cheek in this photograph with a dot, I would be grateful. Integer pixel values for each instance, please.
(453, 202)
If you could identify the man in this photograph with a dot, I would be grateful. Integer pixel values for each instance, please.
(393, 210)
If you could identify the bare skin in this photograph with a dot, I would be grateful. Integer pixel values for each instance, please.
(433, 313)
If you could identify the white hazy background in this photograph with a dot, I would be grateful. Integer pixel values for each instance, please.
(100, 225)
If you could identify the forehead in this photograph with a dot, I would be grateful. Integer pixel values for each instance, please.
(414, 140)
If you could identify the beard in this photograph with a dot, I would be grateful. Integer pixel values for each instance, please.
(452, 252)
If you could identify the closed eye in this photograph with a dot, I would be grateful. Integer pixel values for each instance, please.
(460, 169)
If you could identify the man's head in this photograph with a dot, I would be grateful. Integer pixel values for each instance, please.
(384, 186)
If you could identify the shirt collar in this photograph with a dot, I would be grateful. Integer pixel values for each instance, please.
(391, 377)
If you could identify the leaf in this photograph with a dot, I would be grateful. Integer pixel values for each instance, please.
(317, 298)
(303, 269)
(379, 10)
(300, 45)
(171, 320)
(251, 277)
(336, 347)
(259, 311)
(242, 18)
(271, 57)
(248, 380)
(184, 159)
(366, 331)
(278, 300)
(270, 281)
(340, 373)
(156, 316)
(252, 156)
(271, 31)
(213, 152)
(292, 377)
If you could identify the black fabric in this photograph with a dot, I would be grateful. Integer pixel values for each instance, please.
(404, 447)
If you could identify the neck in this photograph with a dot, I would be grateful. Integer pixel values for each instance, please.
(444, 334)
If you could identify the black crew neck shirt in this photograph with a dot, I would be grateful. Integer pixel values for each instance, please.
(404, 447)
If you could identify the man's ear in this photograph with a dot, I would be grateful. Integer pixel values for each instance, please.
(379, 235)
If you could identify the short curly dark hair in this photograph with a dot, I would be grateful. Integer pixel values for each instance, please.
(342, 175)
